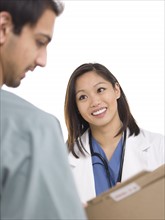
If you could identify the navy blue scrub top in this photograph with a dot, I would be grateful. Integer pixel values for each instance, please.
(100, 176)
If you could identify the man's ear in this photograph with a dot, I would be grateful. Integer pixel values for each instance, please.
(5, 26)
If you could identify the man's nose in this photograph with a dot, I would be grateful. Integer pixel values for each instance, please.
(41, 58)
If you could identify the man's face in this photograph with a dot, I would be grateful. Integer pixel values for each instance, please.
(24, 52)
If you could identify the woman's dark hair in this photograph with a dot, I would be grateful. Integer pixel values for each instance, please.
(28, 11)
(76, 125)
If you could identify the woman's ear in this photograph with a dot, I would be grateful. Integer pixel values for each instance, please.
(117, 90)
(5, 26)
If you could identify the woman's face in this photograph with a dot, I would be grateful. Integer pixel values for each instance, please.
(97, 99)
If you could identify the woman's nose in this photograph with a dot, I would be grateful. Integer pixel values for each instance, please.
(95, 101)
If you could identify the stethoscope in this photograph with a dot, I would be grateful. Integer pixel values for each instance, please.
(105, 164)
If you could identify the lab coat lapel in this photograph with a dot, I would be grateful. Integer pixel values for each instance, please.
(135, 157)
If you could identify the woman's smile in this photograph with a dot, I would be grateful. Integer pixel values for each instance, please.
(99, 112)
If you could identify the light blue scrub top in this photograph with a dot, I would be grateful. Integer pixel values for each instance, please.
(100, 176)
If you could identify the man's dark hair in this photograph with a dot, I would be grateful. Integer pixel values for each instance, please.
(28, 11)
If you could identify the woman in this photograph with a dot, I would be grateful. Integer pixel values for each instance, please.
(106, 146)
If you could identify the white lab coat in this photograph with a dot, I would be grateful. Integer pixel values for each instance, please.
(142, 152)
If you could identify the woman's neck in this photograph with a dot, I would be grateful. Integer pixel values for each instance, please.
(106, 137)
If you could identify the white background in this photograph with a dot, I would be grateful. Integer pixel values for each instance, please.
(125, 36)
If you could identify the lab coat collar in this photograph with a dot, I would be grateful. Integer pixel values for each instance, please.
(143, 145)
(85, 140)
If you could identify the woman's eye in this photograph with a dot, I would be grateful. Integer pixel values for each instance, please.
(82, 97)
(101, 89)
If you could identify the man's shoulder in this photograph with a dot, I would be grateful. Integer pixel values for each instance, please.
(11, 99)
(15, 105)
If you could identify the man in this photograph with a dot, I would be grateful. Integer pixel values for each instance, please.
(36, 181)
